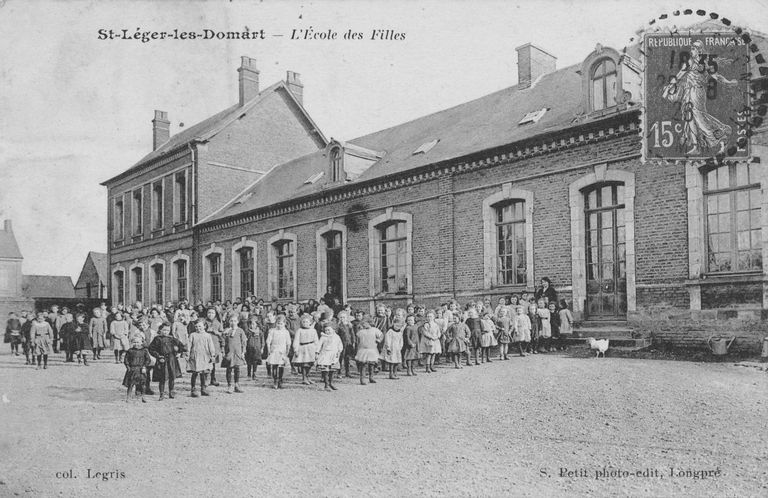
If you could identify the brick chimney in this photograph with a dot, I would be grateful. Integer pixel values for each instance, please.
(532, 62)
(295, 86)
(8, 226)
(249, 79)
(161, 129)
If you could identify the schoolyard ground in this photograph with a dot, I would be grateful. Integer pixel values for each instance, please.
(544, 425)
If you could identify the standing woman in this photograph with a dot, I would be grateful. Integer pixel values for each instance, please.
(235, 344)
(41, 336)
(278, 344)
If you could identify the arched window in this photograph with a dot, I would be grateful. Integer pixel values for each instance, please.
(119, 287)
(180, 267)
(510, 242)
(284, 259)
(138, 284)
(393, 257)
(245, 255)
(158, 279)
(214, 276)
(603, 84)
(732, 218)
(337, 172)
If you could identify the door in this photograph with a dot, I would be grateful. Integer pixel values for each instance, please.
(606, 252)
(333, 262)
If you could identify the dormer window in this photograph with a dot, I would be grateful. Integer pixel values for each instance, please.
(603, 84)
(337, 170)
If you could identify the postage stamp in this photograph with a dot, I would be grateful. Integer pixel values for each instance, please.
(696, 95)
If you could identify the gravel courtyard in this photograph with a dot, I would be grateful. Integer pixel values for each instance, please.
(504, 428)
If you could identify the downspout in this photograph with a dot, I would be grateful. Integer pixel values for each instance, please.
(195, 267)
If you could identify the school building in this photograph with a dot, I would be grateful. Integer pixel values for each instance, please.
(544, 178)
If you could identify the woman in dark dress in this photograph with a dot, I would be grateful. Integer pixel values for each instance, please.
(546, 292)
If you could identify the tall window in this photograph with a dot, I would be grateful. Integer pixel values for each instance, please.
(246, 271)
(138, 284)
(393, 259)
(181, 280)
(180, 197)
(333, 259)
(157, 205)
(284, 254)
(137, 213)
(118, 220)
(510, 243)
(336, 170)
(603, 85)
(214, 262)
(157, 273)
(732, 205)
(119, 287)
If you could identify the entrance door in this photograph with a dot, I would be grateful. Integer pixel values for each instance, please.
(333, 261)
(606, 252)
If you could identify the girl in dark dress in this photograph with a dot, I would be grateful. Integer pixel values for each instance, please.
(137, 360)
(475, 326)
(82, 339)
(164, 348)
(255, 345)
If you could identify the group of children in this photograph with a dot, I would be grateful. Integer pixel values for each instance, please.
(158, 344)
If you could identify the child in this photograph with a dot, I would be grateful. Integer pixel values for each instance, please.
(97, 327)
(475, 330)
(458, 337)
(41, 336)
(278, 345)
(118, 331)
(201, 354)
(440, 320)
(305, 348)
(545, 332)
(254, 346)
(566, 323)
(393, 346)
(329, 349)
(488, 339)
(533, 317)
(82, 339)
(430, 341)
(164, 348)
(554, 323)
(368, 339)
(503, 323)
(411, 343)
(235, 344)
(13, 330)
(347, 337)
(137, 359)
(522, 330)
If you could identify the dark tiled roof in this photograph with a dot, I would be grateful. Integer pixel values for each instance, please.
(47, 286)
(209, 127)
(283, 182)
(8, 246)
(480, 124)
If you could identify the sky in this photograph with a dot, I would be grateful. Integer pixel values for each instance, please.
(76, 110)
